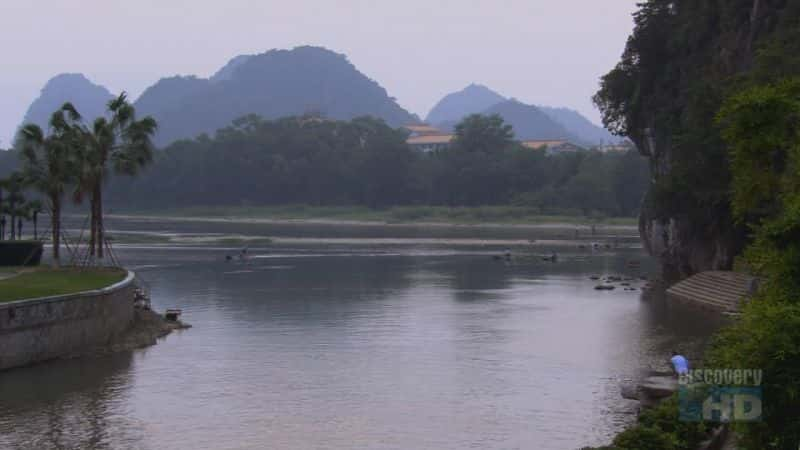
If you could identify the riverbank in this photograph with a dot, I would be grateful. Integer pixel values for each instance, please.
(304, 233)
(420, 215)
(146, 329)
(254, 228)
(50, 314)
(660, 422)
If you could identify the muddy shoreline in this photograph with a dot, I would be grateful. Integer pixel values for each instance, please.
(147, 328)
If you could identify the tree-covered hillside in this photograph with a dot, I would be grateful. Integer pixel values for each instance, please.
(530, 121)
(579, 126)
(274, 84)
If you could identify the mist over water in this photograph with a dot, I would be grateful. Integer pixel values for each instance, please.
(326, 345)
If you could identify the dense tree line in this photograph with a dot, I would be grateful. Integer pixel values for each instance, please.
(309, 160)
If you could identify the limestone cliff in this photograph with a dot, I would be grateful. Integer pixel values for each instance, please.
(682, 60)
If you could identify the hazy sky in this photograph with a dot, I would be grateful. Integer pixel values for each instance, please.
(539, 51)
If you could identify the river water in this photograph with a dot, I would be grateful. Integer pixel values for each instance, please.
(364, 338)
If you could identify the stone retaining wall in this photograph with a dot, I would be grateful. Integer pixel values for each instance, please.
(35, 330)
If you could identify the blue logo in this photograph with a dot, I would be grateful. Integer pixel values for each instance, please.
(700, 402)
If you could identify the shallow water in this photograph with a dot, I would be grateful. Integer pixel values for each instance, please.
(408, 345)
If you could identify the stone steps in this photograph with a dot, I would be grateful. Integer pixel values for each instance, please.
(707, 298)
(718, 290)
(707, 290)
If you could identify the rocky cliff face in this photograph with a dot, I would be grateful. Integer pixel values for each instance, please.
(682, 61)
(685, 240)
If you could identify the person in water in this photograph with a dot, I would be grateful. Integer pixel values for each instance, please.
(244, 257)
(679, 363)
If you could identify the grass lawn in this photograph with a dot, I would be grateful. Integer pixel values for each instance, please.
(44, 282)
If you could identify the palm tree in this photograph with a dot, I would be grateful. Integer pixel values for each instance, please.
(15, 200)
(23, 214)
(35, 207)
(120, 143)
(3, 185)
(49, 163)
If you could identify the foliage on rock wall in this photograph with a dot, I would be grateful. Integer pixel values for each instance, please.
(709, 91)
(682, 61)
(762, 127)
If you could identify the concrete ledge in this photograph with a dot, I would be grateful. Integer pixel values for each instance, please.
(38, 329)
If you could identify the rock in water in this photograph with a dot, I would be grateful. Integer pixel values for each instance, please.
(604, 287)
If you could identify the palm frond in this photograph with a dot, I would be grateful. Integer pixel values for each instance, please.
(116, 103)
(32, 133)
(72, 112)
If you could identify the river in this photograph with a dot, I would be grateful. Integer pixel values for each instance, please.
(364, 338)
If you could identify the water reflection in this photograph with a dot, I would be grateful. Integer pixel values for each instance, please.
(68, 404)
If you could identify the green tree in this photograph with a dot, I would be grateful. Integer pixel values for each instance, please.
(122, 144)
(762, 127)
(35, 208)
(486, 134)
(383, 164)
(49, 165)
(310, 160)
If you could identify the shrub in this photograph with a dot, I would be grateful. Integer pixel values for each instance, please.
(641, 437)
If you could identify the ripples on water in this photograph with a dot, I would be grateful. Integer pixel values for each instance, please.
(379, 347)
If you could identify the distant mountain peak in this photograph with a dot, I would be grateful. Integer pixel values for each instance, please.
(67, 80)
(478, 87)
(227, 71)
(529, 122)
(273, 84)
(473, 99)
(90, 99)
